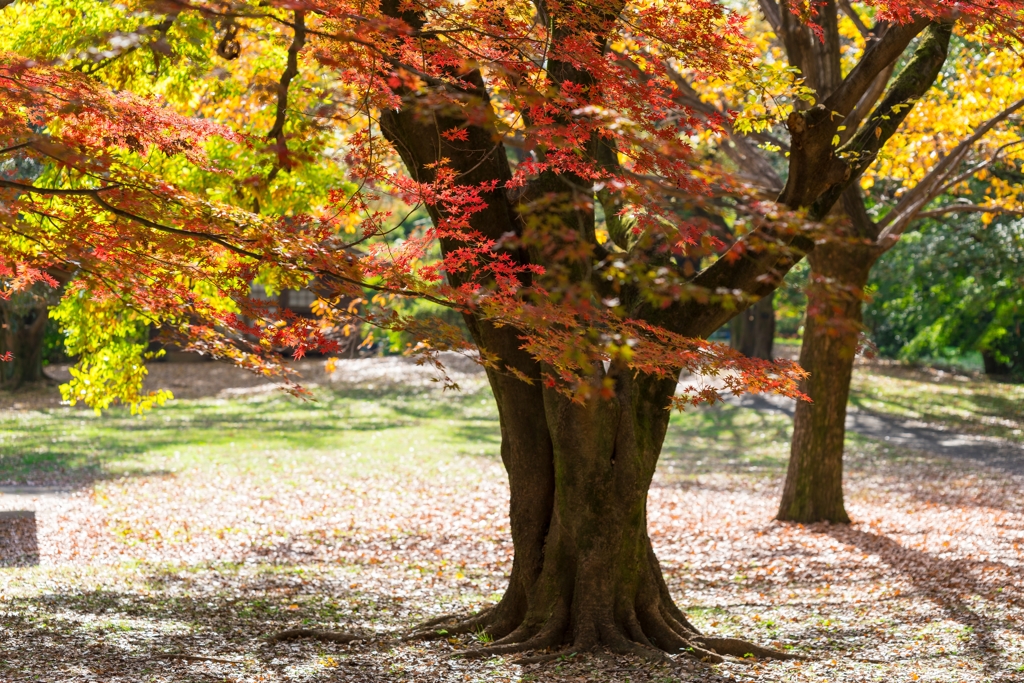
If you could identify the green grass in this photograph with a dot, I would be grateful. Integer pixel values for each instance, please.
(363, 431)
(360, 430)
(971, 405)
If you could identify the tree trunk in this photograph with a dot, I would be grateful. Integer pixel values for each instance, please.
(993, 366)
(584, 574)
(814, 481)
(24, 318)
(753, 330)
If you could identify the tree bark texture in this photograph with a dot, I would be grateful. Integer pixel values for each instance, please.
(24, 318)
(753, 331)
(814, 481)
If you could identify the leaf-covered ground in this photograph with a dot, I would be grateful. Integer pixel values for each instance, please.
(215, 522)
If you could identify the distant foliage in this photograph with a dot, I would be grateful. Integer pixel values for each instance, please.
(953, 288)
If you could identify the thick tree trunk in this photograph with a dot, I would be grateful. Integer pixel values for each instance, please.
(753, 330)
(585, 574)
(24, 325)
(814, 481)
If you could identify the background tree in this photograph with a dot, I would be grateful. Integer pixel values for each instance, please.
(964, 142)
(955, 132)
(583, 339)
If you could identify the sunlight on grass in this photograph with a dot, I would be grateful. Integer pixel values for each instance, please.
(962, 403)
(358, 431)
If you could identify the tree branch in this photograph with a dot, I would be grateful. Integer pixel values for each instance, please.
(876, 58)
(54, 191)
(855, 18)
(773, 14)
(291, 71)
(896, 221)
(913, 81)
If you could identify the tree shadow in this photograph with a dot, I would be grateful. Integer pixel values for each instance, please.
(19, 541)
(949, 583)
(726, 439)
(218, 612)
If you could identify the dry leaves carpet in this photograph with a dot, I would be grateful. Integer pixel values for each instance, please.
(207, 526)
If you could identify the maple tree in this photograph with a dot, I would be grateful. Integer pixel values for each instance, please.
(169, 189)
(962, 127)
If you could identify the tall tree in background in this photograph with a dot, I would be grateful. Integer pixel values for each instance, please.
(964, 142)
(583, 338)
(956, 131)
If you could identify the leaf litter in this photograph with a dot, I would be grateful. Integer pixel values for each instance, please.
(180, 574)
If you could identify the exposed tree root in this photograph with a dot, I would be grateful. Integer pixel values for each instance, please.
(540, 641)
(449, 625)
(453, 617)
(741, 648)
(329, 636)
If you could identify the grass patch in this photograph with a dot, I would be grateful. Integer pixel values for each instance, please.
(968, 404)
(359, 431)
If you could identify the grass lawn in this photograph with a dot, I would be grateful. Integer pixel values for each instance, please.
(212, 523)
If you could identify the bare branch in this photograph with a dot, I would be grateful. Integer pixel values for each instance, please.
(291, 71)
(896, 221)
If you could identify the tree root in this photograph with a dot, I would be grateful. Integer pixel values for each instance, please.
(547, 637)
(741, 648)
(652, 633)
(454, 616)
(329, 636)
(451, 624)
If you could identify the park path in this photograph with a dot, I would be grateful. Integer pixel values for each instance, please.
(986, 450)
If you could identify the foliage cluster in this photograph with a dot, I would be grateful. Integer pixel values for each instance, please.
(951, 288)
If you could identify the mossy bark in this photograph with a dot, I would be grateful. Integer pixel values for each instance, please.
(814, 481)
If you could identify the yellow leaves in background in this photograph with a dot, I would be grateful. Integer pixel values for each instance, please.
(986, 82)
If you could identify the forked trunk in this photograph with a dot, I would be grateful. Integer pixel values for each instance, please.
(814, 481)
(585, 574)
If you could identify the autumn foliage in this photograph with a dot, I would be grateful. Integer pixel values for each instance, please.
(577, 221)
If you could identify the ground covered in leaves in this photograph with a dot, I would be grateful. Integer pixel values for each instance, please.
(216, 521)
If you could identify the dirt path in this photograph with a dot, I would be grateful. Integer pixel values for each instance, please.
(998, 453)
